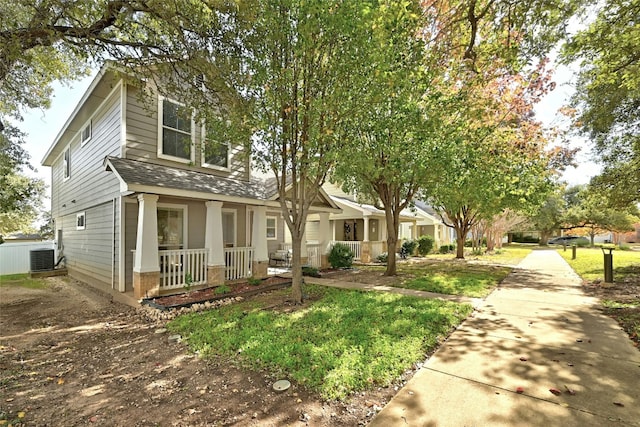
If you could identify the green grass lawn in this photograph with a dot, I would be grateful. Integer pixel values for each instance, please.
(589, 263)
(22, 280)
(342, 342)
(508, 255)
(620, 301)
(452, 277)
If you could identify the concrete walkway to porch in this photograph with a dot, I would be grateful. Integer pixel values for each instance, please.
(538, 352)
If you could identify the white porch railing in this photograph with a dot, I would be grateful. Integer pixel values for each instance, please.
(354, 245)
(314, 255)
(175, 265)
(238, 262)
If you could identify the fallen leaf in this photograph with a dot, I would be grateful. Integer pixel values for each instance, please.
(571, 392)
(563, 404)
(21, 414)
(60, 381)
(520, 390)
(555, 391)
(619, 404)
(523, 359)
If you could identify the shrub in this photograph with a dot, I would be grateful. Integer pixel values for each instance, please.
(583, 243)
(341, 256)
(382, 258)
(409, 247)
(222, 289)
(444, 249)
(624, 247)
(254, 281)
(425, 245)
(310, 271)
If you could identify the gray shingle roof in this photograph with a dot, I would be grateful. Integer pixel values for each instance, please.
(135, 172)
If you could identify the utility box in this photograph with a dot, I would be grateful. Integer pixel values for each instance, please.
(42, 259)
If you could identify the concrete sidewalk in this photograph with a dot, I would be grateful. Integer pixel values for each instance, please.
(536, 332)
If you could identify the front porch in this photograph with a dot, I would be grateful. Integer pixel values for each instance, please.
(189, 267)
(233, 239)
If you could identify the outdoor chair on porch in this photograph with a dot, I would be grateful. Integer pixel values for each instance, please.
(280, 257)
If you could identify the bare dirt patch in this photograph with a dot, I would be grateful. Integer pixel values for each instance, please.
(70, 356)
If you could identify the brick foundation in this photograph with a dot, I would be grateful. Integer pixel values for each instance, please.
(215, 275)
(146, 285)
(365, 252)
(324, 261)
(259, 269)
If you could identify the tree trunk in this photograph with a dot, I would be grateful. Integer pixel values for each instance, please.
(544, 238)
(392, 241)
(296, 268)
(460, 238)
(391, 257)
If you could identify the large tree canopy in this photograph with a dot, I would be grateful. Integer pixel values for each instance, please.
(607, 98)
(47, 40)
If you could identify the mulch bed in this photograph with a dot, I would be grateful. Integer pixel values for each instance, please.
(243, 289)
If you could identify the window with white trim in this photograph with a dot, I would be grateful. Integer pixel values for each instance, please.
(66, 163)
(272, 228)
(81, 221)
(215, 153)
(174, 128)
(85, 133)
(171, 227)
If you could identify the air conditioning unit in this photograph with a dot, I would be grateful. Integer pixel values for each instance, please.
(42, 259)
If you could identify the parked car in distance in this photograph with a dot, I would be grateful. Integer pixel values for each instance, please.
(569, 240)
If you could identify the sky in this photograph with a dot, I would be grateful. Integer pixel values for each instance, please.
(42, 127)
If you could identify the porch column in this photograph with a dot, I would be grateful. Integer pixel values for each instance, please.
(324, 232)
(146, 265)
(259, 242)
(214, 244)
(365, 249)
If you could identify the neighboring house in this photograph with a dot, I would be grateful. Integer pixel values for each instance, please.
(428, 223)
(139, 204)
(363, 227)
(22, 238)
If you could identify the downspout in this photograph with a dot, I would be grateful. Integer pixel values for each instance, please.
(113, 245)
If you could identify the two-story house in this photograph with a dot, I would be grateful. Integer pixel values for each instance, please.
(144, 200)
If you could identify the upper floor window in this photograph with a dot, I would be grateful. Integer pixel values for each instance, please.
(174, 131)
(85, 133)
(214, 153)
(66, 163)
